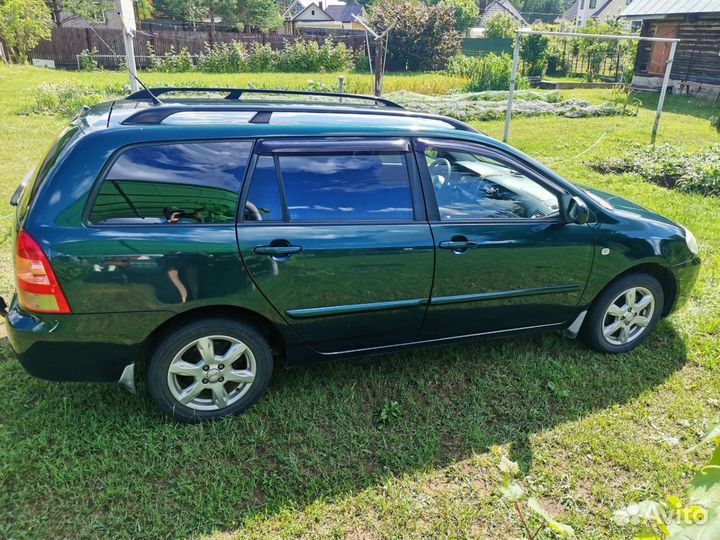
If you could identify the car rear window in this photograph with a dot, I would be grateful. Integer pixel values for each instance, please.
(174, 183)
(347, 187)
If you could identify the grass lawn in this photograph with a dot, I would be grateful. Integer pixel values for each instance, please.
(312, 459)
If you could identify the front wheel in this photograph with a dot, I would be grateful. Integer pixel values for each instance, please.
(624, 314)
(210, 369)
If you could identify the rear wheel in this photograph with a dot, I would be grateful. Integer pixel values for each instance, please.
(624, 314)
(210, 369)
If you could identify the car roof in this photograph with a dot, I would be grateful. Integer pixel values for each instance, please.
(310, 110)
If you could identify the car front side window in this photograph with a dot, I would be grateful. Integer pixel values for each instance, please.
(472, 186)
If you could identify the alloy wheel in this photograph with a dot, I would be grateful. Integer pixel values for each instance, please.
(211, 373)
(628, 316)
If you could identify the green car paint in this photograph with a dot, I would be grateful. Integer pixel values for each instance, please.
(352, 288)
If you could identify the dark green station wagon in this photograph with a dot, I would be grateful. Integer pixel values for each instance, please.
(211, 237)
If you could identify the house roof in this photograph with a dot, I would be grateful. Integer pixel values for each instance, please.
(499, 6)
(344, 13)
(571, 13)
(312, 8)
(647, 8)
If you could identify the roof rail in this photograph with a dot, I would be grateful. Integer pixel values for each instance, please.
(237, 93)
(263, 113)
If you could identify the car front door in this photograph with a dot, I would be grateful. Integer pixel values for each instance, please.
(334, 234)
(504, 258)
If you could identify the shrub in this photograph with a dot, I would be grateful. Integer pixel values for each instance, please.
(669, 166)
(307, 56)
(236, 57)
(715, 122)
(88, 60)
(224, 58)
(467, 13)
(424, 37)
(490, 72)
(534, 52)
(501, 25)
(177, 62)
(67, 99)
(262, 57)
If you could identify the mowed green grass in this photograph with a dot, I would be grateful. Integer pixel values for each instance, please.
(312, 458)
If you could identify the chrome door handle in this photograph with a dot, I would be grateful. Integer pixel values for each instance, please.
(457, 245)
(277, 251)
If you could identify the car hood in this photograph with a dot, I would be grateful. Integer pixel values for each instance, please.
(629, 207)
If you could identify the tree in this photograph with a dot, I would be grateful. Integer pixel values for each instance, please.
(251, 15)
(23, 24)
(467, 13)
(245, 15)
(423, 37)
(66, 10)
(534, 53)
(545, 10)
(501, 25)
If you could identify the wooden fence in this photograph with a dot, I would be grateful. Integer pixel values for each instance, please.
(66, 43)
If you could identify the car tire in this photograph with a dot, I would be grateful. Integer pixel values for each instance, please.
(624, 314)
(209, 369)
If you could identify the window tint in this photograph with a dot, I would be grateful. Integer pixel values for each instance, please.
(472, 186)
(173, 183)
(347, 187)
(263, 200)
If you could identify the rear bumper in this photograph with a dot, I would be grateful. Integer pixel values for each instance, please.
(81, 348)
(686, 274)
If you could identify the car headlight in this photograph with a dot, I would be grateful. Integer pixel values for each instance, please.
(691, 242)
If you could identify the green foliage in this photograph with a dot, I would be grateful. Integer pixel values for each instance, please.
(144, 9)
(68, 98)
(715, 122)
(424, 37)
(389, 413)
(514, 494)
(467, 13)
(245, 15)
(307, 56)
(625, 98)
(534, 54)
(300, 56)
(597, 50)
(489, 72)
(90, 10)
(501, 25)
(24, 24)
(697, 517)
(88, 60)
(669, 166)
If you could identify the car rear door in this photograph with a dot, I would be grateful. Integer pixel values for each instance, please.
(505, 260)
(334, 234)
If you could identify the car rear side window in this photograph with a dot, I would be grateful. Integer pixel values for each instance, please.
(263, 200)
(175, 183)
(347, 187)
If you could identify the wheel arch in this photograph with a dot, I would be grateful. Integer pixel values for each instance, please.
(264, 325)
(660, 272)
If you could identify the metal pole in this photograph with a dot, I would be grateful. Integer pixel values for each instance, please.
(661, 101)
(513, 77)
(130, 56)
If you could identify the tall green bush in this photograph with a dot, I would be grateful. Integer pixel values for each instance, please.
(236, 57)
(423, 38)
(501, 25)
(490, 72)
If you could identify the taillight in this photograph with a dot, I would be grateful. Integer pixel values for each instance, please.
(38, 288)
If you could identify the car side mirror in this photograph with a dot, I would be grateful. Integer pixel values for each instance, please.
(574, 210)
